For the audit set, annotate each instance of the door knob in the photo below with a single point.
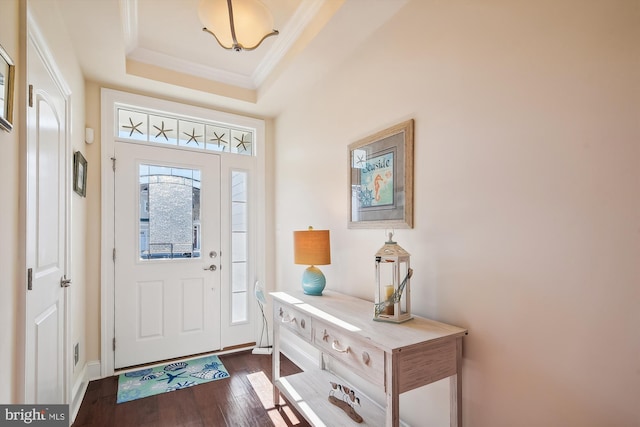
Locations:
(211, 268)
(64, 282)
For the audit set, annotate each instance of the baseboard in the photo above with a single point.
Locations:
(262, 350)
(94, 370)
(90, 371)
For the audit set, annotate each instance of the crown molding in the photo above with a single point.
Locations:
(129, 18)
(287, 37)
(152, 57)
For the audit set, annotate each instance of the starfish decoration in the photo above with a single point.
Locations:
(180, 386)
(133, 127)
(242, 142)
(162, 131)
(218, 139)
(365, 196)
(360, 161)
(193, 137)
(172, 377)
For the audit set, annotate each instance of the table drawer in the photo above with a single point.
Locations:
(293, 319)
(351, 351)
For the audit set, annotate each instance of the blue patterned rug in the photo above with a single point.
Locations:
(170, 377)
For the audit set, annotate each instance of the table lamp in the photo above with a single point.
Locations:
(311, 247)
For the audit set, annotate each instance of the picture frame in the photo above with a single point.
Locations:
(7, 78)
(79, 174)
(381, 179)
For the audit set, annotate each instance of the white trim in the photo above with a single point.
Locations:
(90, 372)
(152, 57)
(129, 18)
(77, 394)
(109, 99)
(93, 370)
(287, 37)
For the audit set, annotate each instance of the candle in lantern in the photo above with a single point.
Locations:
(388, 291)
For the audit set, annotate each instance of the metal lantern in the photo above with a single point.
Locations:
(393, 290)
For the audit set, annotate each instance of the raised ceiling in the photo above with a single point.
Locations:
(158, 46)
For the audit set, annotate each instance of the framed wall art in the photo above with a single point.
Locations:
(79, 174)
(381, 179)
(7, 77)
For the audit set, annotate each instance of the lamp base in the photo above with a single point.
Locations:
(313, 281)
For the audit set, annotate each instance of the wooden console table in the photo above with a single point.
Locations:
(394, 357)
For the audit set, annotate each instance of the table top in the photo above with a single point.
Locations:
(356, 316)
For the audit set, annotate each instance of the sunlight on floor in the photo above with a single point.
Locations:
(264, 389)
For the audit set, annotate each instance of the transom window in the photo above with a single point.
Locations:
(163, 128)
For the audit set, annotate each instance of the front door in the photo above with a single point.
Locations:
(46, 241)
(167, 256)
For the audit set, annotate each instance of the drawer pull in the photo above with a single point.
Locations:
(334, 345)
(302, 323)
(288, 319)
(366, 358)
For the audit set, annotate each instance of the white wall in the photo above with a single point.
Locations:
(527, 203)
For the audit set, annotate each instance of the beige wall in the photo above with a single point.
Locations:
(526, 207)
(527, 211)
(9, 256)
(92, 321)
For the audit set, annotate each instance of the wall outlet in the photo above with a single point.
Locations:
(76, 354)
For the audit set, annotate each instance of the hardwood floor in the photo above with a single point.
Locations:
(243, 399)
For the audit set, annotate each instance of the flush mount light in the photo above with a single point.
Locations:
(238, 25)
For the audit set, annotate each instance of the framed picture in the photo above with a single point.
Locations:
(7, 76)
(381, 179)
(79, 174)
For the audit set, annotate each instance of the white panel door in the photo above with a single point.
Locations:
(46, 236)
(167, 259)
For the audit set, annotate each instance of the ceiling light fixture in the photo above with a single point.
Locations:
(242, 25)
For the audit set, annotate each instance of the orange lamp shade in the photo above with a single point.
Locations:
(311, 247)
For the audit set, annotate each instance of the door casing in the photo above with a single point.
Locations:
(259, 218)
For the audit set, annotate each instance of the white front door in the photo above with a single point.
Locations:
(167, 257)
(46, 250)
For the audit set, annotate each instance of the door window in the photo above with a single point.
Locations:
(169, 225)
(239, 247)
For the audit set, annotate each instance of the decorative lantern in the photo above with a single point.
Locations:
(393, 291)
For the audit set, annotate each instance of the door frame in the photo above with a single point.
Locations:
(109, 99)
(34, 35)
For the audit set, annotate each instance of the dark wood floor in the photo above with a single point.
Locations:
(243, 399)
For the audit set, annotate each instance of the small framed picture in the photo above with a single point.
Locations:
(79, 174)
(7, 73)
(381, 179)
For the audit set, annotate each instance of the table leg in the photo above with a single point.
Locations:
(275, 359)
(392, 391)
(455, 387)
